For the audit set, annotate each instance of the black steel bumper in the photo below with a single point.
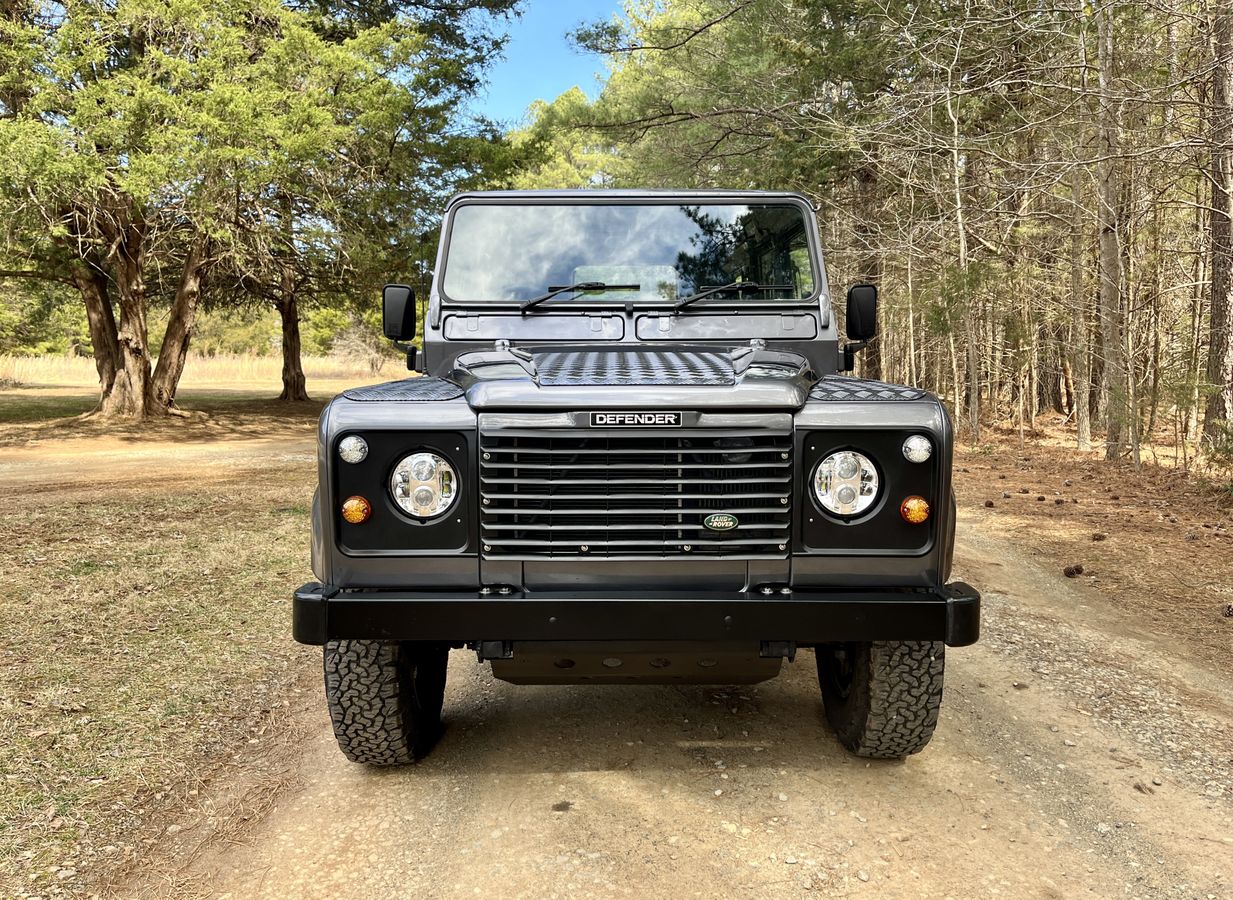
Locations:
(950, 614)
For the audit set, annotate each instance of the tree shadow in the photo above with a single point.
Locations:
(206, 416)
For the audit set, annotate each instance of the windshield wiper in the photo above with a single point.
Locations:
(736, 286)
(580, 287)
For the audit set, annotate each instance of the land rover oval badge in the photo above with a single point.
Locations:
(721, 522)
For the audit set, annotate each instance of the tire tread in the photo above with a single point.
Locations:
(895, 702)
(377, 716)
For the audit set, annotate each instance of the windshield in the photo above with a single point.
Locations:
(513, 253)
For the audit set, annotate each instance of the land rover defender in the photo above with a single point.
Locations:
(633, 456)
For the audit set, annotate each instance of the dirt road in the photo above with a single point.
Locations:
(1076, 756)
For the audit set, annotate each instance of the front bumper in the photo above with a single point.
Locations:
(951, 613)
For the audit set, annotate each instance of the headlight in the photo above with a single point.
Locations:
(917, 448)
(846, 483)
(424, 485)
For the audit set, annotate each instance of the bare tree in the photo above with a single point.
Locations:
(1220, 351)
(1111, 322)
(1040, 170)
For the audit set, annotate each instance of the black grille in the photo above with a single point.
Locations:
(567, 493)
(617, 367)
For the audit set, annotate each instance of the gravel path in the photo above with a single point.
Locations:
(1075, 755)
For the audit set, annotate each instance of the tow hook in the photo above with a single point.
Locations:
(778, 650)
(494, 650)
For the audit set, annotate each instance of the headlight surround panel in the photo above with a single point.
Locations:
(393, 530)
(876, 528)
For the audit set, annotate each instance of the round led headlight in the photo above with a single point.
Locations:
(917, 448)
(353, 449)
(846, 483)
(424, 485)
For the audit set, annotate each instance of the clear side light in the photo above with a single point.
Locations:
(353, 449)
(424, 485)
(917, 448)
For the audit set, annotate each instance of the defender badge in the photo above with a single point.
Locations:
(635, 419)
(720, 522)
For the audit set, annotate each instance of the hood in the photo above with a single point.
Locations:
(638, 377)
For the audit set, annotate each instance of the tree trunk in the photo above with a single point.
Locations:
(956, 390)
(869, 256)
(130, 395)
(1049, 371)
(1220, 352)
(1111, 326)
(294, 385)
(913, 378)
(1195, 343)
(1068, 388)
(92, 283)
(970, 318)
(1081, 349)
(1157, 326)
(180, 322)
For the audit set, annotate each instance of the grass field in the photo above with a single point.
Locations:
(147, 628)
(248, 369)
(147, 612)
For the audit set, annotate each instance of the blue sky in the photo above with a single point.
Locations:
(540, 62)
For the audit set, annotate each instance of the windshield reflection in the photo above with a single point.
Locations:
(511, 253)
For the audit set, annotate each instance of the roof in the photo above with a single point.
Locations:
(579, 194)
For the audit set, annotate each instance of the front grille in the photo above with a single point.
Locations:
(555, 492)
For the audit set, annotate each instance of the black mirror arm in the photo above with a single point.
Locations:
(848, 352)
(410, 350)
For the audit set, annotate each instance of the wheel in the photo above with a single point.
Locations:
(385, 698)
(882, 698)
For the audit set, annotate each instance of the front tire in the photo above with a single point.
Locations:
(385, 698)
(882, 698)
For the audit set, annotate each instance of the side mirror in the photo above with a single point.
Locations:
(862, 312)
(398, 312)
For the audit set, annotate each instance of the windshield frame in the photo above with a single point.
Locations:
(581, 304)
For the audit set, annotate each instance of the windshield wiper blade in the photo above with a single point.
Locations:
(738, 286)
(580, 287)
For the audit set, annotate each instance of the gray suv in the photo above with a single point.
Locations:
(632, 457)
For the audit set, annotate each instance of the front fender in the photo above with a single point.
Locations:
(319, 558)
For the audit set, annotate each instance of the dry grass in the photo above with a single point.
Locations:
(147, 626)
(246, 368)
(146, 616)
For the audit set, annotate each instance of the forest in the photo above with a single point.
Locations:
(1041, 192)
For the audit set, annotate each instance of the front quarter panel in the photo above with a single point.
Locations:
(417, 555)
(317, 552)
(877, 548)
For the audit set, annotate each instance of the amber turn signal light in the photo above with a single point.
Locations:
(914, 510)
(356, 510)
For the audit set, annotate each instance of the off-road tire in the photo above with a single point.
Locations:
(882, 698)
(385, 698)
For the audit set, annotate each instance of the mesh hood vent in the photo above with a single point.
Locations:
(644, 367)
